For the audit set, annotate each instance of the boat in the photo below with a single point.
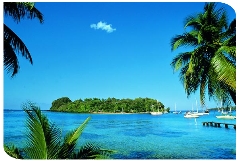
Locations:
(226, 117)
(197, 113)
(191, 116)
(224, 112)
(175, 110)
(156, 113)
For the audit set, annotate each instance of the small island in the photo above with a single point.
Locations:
(108, 106)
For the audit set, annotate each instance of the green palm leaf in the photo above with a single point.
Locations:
(68, 146)
(211, 66)
(42, 137)
(226, 71)
(13, 151)
(92, 151)
(12, 45)
(43, 140)
(21, 10)
(186, 39)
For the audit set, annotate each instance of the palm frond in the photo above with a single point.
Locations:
(228, 51)
(92, 151)
(13, 151)
(226, 71)
(194, 21)
(42, 137)
(230, 41)
(203, 85)
(232, 27)
(21, 10)
(223, 21)
(10, 59)
(182, 73)
(180, 60)
(10, 45)
(70, 140)
(185, 40)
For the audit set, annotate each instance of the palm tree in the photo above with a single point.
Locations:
(43, 140)
(13, 45)
(211, 66)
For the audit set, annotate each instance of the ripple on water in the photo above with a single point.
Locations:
(220, 153)
(134, 155)
(86, 135)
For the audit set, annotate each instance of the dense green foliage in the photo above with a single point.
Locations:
(56, 104)
(113, 105)
(44, 140)
(211, 65)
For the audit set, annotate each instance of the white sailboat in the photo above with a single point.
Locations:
(222, 109)
(175, 110)
(191, 116)
(197, 113)
(225, 116)
(156, 113)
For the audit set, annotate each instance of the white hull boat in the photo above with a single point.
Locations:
(226, 117)
(156, 113)
(198, 114)
(191, 116)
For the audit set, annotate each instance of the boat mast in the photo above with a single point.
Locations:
(175, 107)
(221, 105)
(197, 105)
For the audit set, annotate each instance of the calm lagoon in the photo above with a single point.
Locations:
(140, 136)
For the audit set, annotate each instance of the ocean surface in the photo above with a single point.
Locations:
(140, 136)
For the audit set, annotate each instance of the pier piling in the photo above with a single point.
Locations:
(218, 124)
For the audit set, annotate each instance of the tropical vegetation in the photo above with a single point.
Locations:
(112, 105)
(211, 65)
(13, 45)
(44, 141)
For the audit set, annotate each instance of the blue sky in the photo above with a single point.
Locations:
(72, 59)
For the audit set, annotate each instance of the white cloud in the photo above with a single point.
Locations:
(103, 26)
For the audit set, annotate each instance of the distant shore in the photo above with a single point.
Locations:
(119, 113)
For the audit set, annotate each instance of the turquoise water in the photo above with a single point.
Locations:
(140, 136)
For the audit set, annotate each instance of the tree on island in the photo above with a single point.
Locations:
(43, 140)
(13, 45)
(112, 105)
(211, 66)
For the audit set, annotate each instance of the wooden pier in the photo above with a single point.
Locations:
(218, 124)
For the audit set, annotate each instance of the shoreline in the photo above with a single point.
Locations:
(99, 112)
(118, 113)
